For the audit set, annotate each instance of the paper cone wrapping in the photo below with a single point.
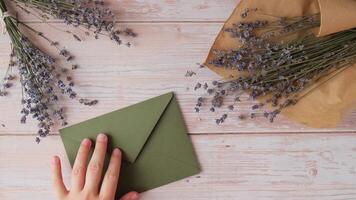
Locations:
(323, 106)
(337, 15)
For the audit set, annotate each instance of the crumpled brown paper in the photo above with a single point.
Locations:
(323, 106)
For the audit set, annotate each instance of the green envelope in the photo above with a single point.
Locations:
(153, 138)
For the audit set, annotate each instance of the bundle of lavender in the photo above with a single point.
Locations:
(275, 66)
(44, 82)
(90, 14)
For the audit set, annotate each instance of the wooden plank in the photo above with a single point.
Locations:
(121, 76)
(158, 11)
(263, 167)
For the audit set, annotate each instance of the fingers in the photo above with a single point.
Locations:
(96, 163)
(131, 196)
(79, 167)
(108, 189)
(57, 178)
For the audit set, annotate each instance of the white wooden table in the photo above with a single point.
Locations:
(240, 159)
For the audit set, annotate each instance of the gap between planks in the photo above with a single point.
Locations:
(139, 22)
(219, 134)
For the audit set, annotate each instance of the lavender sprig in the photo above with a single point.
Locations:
(90, 14)
(43, 81)
(282, 72)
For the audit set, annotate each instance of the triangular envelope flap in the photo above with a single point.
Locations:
(128, 128)
(168, 155)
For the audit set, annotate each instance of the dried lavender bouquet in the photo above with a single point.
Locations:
(278, 73)
(43, 81)
(90, 14)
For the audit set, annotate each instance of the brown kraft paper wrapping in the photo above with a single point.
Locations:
(323, 106)
(337, 15)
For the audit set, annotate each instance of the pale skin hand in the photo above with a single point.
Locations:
(85, 180)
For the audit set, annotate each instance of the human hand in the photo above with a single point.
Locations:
(85, 180)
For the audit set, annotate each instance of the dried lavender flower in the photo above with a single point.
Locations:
(242, 117)
(74, 67)
(279, 71)
(217, 101)
(205, 86)
(210, 91)
(92, 15)
(231, 107)
(39, 75)
(197, 86)
(190, 73)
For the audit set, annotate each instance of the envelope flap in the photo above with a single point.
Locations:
(128, 128)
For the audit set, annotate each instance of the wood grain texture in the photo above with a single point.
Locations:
(121, 76)
(294, 163)
(160, 11)
(262, 167)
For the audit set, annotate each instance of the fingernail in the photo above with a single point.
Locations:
(86, 142)
(102, 137)
(134, 196)
(116, 152)
(54, 160)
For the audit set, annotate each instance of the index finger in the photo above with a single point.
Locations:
(96, 163)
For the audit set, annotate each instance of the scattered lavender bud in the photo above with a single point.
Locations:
(200, 65)
(54, 43)
(77, 38)
(23, 120)
(217, 101)
(64, 53)
(244, 15)
(190, 73)
(64, 70)
(205, 86)
(200, 100)
(3, 93)
(231, 107)
(8, 85)
(74, 67)
(242, 117)
(129, 32)
(81, 101)
(224, 116)
(10, 77)
(69, 58)
(255, 107)
(210, 91)
(266, 114)
(197, 86)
